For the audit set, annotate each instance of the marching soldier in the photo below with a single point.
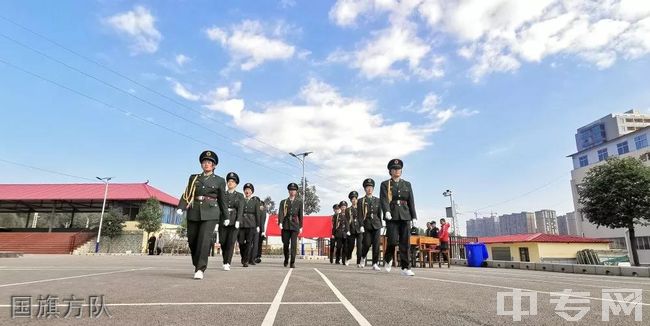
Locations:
(205, 202)
(290, 222)
(341, 233)
(371, 215)
(356, 228)
(335, 208)
(231, 223)
(261, 235)
(398, 204)
(249, 226)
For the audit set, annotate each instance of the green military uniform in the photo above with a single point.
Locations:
(356, 236)
(228, 233)
(396, 198)
(371, 215)
(341, 230)
(290, 218)
(256, 253)
(333, 238)
(204, 201)
(249, 224)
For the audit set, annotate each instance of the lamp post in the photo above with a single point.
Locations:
(301, 157)
(101, 217)
(449, 194)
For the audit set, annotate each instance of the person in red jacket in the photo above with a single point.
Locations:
(443, 235)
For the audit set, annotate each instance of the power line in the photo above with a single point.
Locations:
(46, 170)
(521, 195)
(126, 77)
(133, 95)
(134, 116)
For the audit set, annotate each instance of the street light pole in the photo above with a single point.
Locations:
(449, 194)
(101, 217)
(301, 157)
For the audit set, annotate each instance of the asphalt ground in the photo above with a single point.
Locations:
(159, 290)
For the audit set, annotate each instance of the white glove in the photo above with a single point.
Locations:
(388, 216)
(280, 226)
(362, 230)
(237, 225)
(179, 211)
(263, 234)
(413, 220)
(216, 228)
(258, 229)
(226, 222)
(348, 233)
(300, 231)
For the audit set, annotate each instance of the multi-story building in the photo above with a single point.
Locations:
(517, 223)
(562, 227)
(482, 227)
(546, 221)
(624, 135)
(610, 127)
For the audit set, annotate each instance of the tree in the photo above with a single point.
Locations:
(312, 202)
(150, 216)
(617, 195)
(112, 225)
(269, 204)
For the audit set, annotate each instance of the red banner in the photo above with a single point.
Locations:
(312, 227)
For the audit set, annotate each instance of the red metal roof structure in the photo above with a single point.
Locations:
(84, 196)
(540, 237)
(313, 227)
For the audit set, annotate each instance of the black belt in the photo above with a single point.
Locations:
(400, 202)
(202, 198)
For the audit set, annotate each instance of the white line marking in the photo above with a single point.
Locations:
(522, 289)
(311, 303)
(269, 319)
(353, 311)
(71, 277)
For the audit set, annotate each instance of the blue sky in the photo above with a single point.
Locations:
(487, 109)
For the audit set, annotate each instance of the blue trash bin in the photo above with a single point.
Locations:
(476, 254)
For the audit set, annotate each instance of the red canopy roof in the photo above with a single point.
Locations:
(83, 191)
(540, 237)
(313, 226)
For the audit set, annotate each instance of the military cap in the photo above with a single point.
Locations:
(209, 155)
(353, 194)
(249, 186)
(232, 176)
(335, 206)
(343, 203)
(395, 164)
(368, 182)
(292, 186)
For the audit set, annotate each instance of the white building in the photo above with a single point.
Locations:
(623, 135)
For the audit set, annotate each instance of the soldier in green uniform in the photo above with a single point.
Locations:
(356, 228)
(371, 215)
(290, 222)
(398, 204)
(335, 216)
(205, 203)
(249, 226)
(341, 233)
(231, 223)
(261, 235)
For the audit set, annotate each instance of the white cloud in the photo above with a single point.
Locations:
(139, 25)
(250, 44)
(501, 35)
(350, 139)
(183, 92)
(182, 59)
(395, 52)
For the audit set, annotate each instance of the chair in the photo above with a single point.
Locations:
(428, 248)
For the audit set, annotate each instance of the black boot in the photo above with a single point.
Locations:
(293, 265)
